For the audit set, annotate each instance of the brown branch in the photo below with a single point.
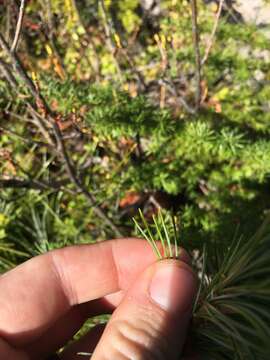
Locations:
(19, 183)
(8, 20)
(52, 39)
(14, 86)
(96, 65)
(196, 44)
(23, 139)
(109, 38)
(212, 37)
(168, 82)
(77, 182)
(8, 75)
(109, 32)
(18, 27)
(61, 149)
(173, 91)
(20, 70)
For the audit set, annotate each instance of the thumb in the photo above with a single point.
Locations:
(152, 319)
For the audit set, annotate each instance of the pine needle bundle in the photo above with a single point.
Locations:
(231, 317)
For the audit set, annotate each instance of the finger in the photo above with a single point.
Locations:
(152, 320)
(37, 293)
(68, 325)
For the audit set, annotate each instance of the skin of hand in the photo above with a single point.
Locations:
(46, 300)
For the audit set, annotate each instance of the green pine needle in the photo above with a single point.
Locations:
(169, 247)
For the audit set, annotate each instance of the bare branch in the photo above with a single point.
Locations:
(196, 44)
(95, 65)
(8, 15)
(168, 82)
(8, 75)
(212, 37)
(39, 122)
(109, 38)
(19, 69)
(19, 183)
(18, 27)
(180, 99)
(61, 149)
(23, 139)
(109, 32)
(77, 182)
(50, 36)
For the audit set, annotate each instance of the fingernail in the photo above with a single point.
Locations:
(173, 288)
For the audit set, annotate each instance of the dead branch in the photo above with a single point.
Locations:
(196, 44)
(212, 37)
(167, 82)
(96, 65)
(109, 38)
(51, 37)
(18, 183)
(8, 75)
(18, 27)
(180, 99)
(61, 151)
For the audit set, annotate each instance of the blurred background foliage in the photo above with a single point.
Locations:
(121, 80)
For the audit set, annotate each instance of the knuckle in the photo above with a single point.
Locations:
(142, 340)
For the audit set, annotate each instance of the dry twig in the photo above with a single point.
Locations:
(196, 44)
(212, 37)
(167, 82)
(18, 27)
(109, 38)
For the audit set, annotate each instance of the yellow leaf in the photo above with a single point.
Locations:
(48, 49)
(118, 41)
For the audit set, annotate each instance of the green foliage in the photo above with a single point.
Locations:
(231, 318)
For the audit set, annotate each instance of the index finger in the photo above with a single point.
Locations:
(35, 294)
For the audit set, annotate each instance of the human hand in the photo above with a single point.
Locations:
(46, 300)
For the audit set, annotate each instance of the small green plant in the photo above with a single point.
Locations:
(231, 312)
